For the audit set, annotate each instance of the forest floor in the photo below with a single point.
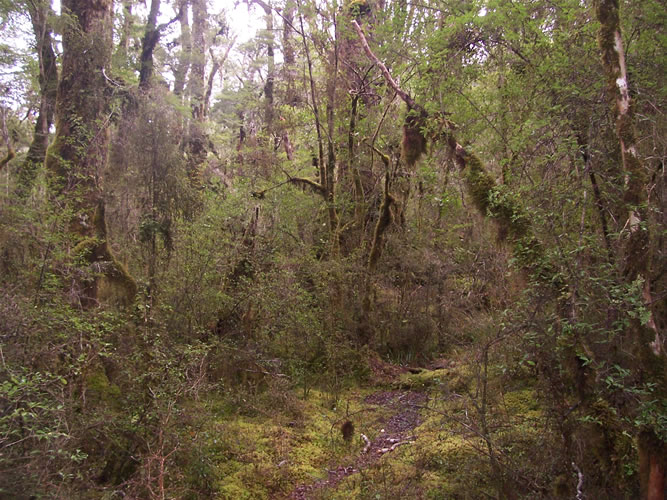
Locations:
(416, 435)
(394, 426)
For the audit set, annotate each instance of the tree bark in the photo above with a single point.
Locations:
(125, 32)
(289, 54)
(149, 42)
(329, 184)
(316, 112)
(78, 155)
(354, 166)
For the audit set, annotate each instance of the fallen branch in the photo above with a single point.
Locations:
(382, 451)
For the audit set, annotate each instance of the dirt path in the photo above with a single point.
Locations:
(392, 429)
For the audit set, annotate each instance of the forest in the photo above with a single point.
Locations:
(333, 249)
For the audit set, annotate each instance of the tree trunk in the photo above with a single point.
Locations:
(148, 44)
(125, 35)
(645, 339)
(316, 113)
(196, 147)
(354, 165)
(270, 76)
(329, 184)
(183, 64)
(289, 54)
(48, 88)
(78, 155)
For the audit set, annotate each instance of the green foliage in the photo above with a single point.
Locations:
(250, 340)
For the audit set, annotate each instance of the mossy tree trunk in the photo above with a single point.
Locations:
(645, 338)
(151, 38)
(48, 88)
(353, 165)
(78, 155)
(123, 47)
(289, 54)
(148, 44)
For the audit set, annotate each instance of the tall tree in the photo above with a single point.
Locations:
(78, 155)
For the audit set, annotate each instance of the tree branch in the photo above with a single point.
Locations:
(387, 76)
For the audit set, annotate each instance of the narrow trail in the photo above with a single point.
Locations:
(391, 429)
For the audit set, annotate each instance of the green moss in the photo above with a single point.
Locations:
(479, 183)
(234, 491)
(358, 8)
(265, 456)
(99, 388)
(85, 248)
(522, 402)
(447, 380)
(424, 380)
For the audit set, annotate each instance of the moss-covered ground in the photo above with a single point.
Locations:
(276, 444)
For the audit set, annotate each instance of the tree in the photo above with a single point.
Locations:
(77, 158)
(644, 336)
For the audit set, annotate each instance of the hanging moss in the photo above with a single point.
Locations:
(609, 19)
(479, 183)
(513, 221)
(413, 144)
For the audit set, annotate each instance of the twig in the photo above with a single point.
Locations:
(368, 444)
